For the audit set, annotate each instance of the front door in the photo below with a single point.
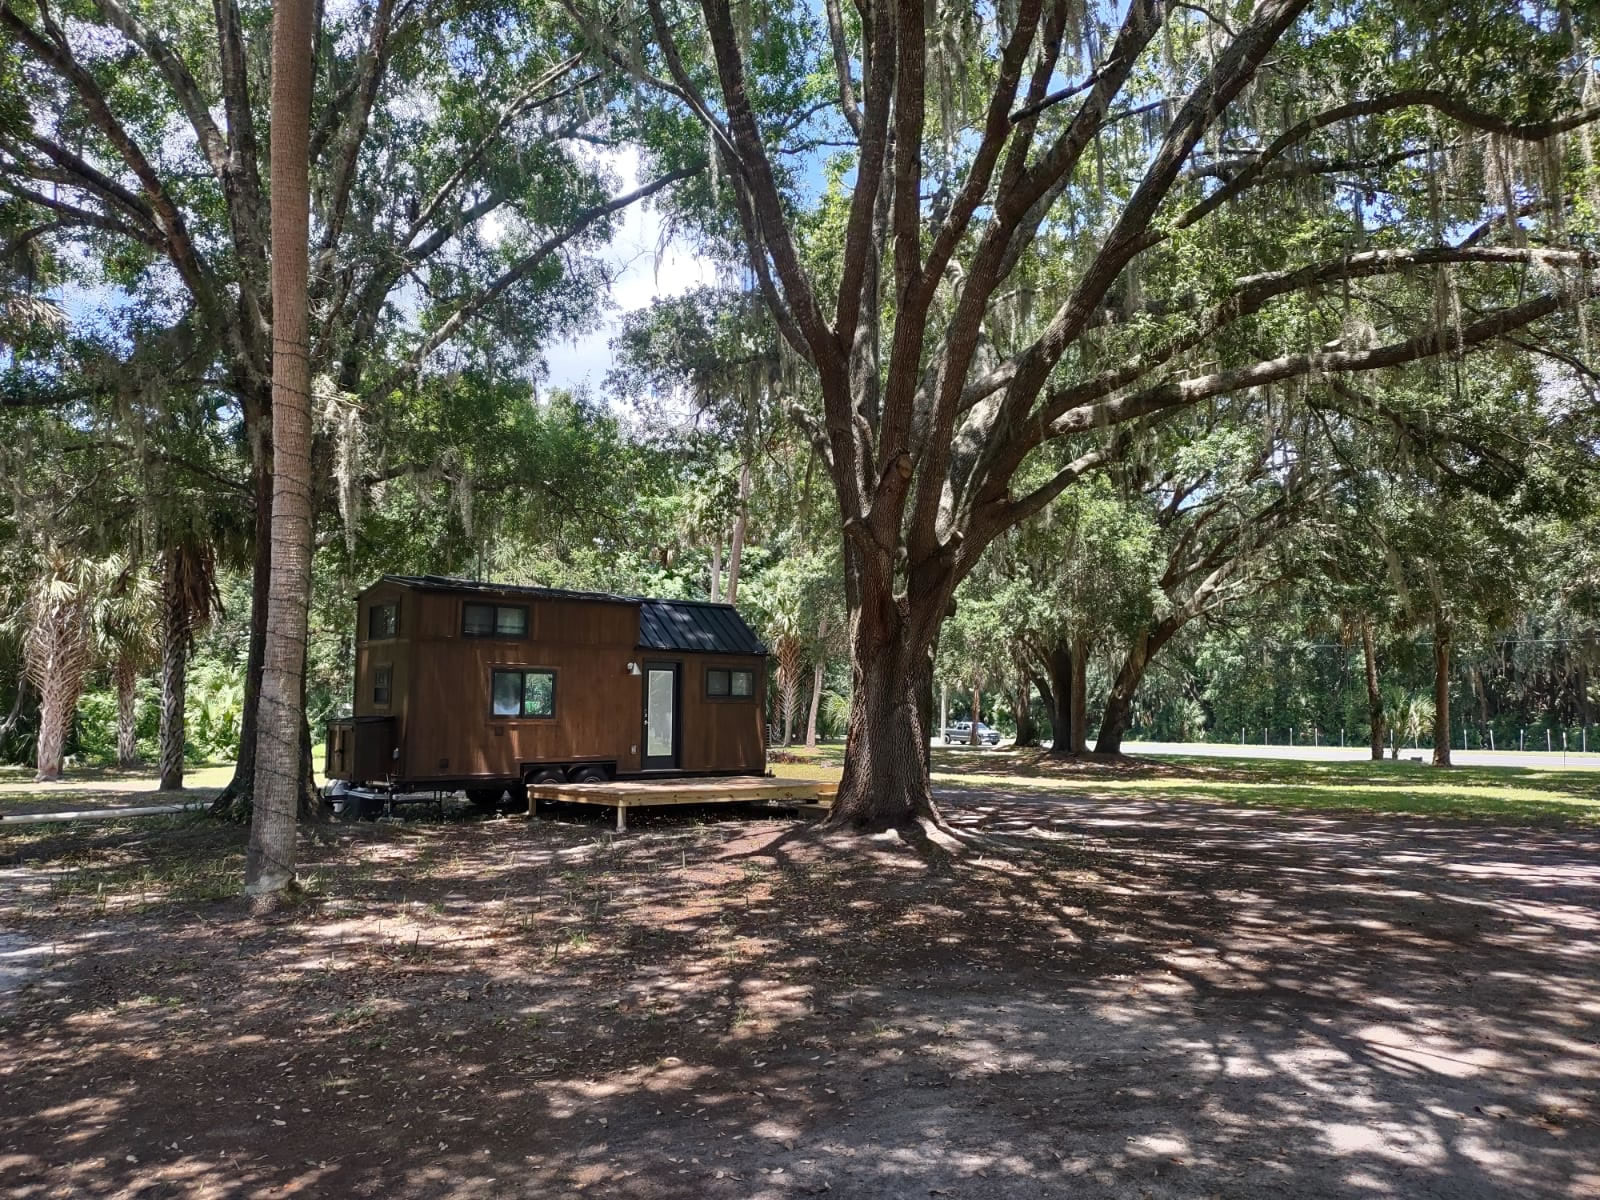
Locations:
(660, 716)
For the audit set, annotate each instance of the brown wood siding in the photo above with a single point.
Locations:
(723, 733)
(395, 653)
(596, 706)
(440, 689)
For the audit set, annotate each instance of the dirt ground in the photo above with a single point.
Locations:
(1134, 998)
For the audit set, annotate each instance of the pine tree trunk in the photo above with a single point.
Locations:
(817, 674)
(127, 680)
(1374, 698)
(885, 781)
(269, 863)
(1079, 723)
(175, 635)
(1441, 694)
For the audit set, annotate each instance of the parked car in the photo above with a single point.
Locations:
(959, 733)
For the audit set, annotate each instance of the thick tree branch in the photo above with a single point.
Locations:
(520, 270)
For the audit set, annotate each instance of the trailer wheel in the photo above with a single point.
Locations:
(488, 799)
(362, 808)
(589, 775)
(544, 775)
(517, 798)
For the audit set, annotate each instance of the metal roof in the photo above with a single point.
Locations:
(697, 626)
(694, 625)
(446, 583)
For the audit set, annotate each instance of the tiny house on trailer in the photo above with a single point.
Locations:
(487, 687)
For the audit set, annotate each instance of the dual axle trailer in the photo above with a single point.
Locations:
(493, 688)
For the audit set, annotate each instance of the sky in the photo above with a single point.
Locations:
(645, 271)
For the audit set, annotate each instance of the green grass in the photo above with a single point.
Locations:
(1521, 794)
(1518, 794)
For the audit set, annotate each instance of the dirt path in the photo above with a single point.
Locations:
(1163, 1001)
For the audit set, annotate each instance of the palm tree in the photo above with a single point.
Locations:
(125, 635)
(189, 599)
(23, 312)
(269, 865)
(57, 627)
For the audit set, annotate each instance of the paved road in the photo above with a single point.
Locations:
(1464, 758)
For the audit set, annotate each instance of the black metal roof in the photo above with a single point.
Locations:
(694, 625)
(686, 625)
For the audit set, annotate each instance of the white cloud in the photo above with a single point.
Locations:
(643, 266)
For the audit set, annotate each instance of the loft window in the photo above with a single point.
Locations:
(494, 620)
(383, 621)
(722, 683)
(382, 684)
(523, 693)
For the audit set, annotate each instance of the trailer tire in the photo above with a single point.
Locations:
(517, 798)
(487, 799)
(362, 808)
(538, 776)
(589, 775)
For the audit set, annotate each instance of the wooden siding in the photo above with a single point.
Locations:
(723, 733)
(440, 689)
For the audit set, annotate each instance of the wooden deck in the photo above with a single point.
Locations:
(623, 794)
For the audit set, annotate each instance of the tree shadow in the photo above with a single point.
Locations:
(1156, 999)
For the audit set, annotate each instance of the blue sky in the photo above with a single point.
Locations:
(643, 269)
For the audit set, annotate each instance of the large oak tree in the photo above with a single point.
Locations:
(1052, 221)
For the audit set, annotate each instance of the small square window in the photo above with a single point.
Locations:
(743, 683)
(383, 621)
(510, 621)
(716, 682)
(382, 684)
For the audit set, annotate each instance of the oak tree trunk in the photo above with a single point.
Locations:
(1374, 698)
(234, 801)
(972, 734)
(1119, 704)
(269, 863)
(1079, 723)
(175, 635)
(1441, 694)
(126, 675)
(885, 781)
(1022, 705)
(1057, 693)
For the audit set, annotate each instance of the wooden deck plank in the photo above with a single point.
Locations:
(636, 793)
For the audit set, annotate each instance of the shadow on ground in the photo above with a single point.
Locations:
(1128, 997)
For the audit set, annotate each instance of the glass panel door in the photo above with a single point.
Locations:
(660, 716)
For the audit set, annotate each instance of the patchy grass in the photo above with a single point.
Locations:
(92, 788)
(1499, 793)
(1134, 995)
(128, 865)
